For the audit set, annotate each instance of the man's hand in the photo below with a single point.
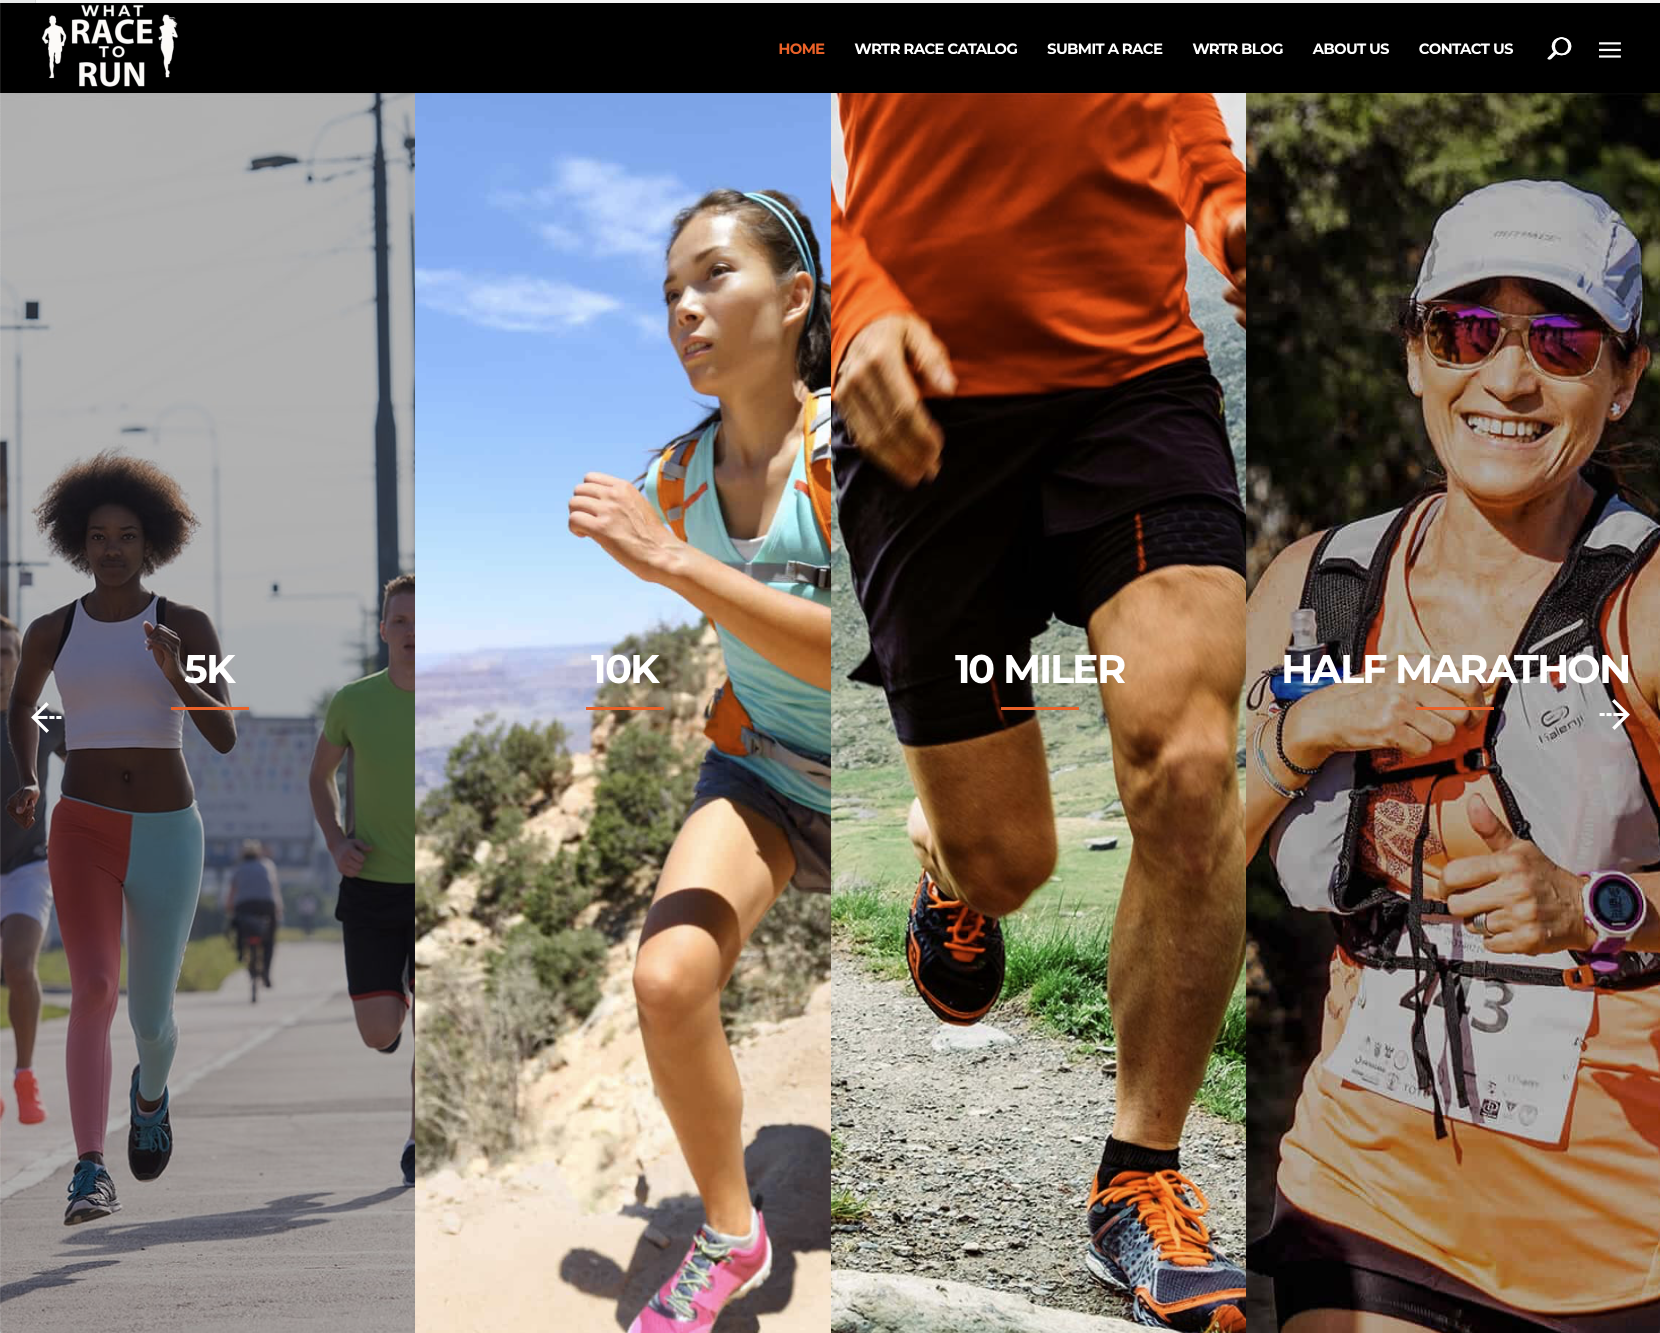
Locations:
(349, 856)
(891, 365)
(21, 804)
(1234, 245)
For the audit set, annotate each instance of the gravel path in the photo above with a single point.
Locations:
(976, 1165)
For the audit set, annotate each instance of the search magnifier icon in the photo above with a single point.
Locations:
(1559, 46)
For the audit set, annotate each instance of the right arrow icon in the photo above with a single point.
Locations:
(1622, 715)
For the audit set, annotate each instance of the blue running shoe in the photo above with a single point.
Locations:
(149, 1137)
(1148, 1240)
(91, 1194)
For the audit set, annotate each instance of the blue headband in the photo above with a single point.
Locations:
(784, 215)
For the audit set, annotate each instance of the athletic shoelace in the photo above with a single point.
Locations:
(1174, 1223)
(85, 1180)
(967, 926)
(695, 1275)
(154, 1138)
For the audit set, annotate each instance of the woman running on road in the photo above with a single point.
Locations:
(125, 833)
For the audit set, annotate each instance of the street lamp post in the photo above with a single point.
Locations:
(386, 438)
(26, 318)
(154, 430)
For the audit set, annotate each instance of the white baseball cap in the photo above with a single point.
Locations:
(1544, 230)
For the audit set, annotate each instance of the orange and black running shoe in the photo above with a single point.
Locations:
(955, 955)
(1148, 1240)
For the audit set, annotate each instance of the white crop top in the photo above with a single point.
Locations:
(114, 696)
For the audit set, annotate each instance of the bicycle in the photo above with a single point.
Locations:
(256, 964)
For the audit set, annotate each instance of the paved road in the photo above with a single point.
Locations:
(283, 1207)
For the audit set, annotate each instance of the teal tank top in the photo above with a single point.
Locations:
(787, 709)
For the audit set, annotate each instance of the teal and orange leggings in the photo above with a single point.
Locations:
(101, 860)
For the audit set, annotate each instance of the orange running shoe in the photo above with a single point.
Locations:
(1148, 1240)
(955, 955)
(29, 1109)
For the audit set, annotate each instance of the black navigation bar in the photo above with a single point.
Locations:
(224, 47)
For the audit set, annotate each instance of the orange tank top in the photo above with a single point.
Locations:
(1557, 1229)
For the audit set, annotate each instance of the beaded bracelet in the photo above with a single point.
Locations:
(1279, 744)
(1267, 773)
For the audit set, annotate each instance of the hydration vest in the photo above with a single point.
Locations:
(1537, 772)
(727, 723)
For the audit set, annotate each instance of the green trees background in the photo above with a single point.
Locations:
(1344, 190)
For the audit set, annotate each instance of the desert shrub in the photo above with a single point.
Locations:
(675, 668)
(467, 1093)
(786, 957)
(492, 775)
(639, 805)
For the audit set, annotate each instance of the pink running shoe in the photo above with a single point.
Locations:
(710, 1275)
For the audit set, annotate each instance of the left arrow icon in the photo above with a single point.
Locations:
(40, 712)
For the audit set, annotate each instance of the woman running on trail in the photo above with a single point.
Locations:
(749, 318)
(1477, 1145)
(125, 833)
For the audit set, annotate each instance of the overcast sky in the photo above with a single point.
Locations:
(178, 287)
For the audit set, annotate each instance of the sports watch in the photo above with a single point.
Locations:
(1615, 908)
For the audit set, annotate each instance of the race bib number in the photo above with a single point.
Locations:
(1522, 1043)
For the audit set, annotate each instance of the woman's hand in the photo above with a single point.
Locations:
(1532, 905)
(164, 647)
(624, 523)
(21, 805)
(1412, 717)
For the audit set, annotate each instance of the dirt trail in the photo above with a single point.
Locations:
(513, 1246)
(976, 1165)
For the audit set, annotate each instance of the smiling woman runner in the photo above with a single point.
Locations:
(735, 518)
(125, 831)
(1475, 1148)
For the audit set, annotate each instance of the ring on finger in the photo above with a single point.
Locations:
(1478, 923)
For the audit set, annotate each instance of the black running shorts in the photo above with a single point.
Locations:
(1318, 1265)
(1045, 505)
(378, 923)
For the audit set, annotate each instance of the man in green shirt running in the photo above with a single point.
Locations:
(375, 719)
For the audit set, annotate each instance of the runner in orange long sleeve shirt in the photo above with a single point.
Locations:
(1027, 426)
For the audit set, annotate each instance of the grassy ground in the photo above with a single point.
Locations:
(206, 965)
(1057, 947)
(46, 1010)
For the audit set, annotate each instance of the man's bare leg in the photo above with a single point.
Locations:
(982, 824)
(1179, 939)
(20, 937)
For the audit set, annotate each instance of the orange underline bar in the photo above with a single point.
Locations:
(1040, 708)
(210, 708)
(627, 708)
(1453, 708)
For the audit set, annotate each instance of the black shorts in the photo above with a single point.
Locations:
(1045, 505)
(1318, 1265)
(378, 923)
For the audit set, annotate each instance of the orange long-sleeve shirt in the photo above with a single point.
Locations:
(1041, 235)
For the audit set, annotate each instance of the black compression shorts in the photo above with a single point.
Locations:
(1045, 504)
(1318, 1265)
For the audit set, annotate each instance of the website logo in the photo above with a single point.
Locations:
(110, 46)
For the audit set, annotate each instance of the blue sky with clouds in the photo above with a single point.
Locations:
(541, 345)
